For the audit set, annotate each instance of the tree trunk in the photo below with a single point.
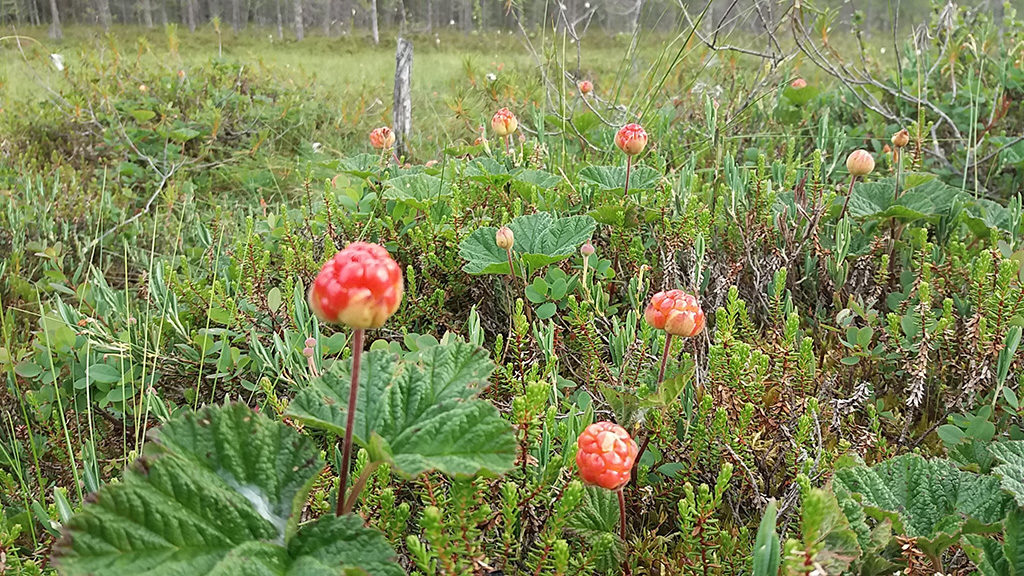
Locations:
(373, 21)
(236, 15)
(401, 109)
(190, 15)
(147, 13)
(328, 5)
(634, 17)
(430, 16)
(299, 32)
(280, 21)
(103, 12)
(56, 32)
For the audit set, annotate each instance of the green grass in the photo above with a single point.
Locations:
(348, 68)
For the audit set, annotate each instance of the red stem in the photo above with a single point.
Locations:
(629, 164)
(346, 446)
(853, 178)
(622, 514)
(511, 268)
(507, 149)
(622, 531)
(664, 357)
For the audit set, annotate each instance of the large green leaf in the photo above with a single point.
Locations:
(1011, 471)
(540, 239)
(417, 190)
(987, 554)
(1013, 541)
(360, 165)
(536, 178)
(930, 500)
(598, 514)
(419, 413)
(826, 536)
(487, 170)
(925, 198)
(218, 492)
(614, 177)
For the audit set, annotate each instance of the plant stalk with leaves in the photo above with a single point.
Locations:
(361, 287)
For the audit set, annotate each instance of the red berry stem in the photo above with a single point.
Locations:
(664, 357)
(346, 447)
(507, 149)
(629, 165)
(511, 268)
(622, 530)
(622, 513)
(849, 193)
(358, 485)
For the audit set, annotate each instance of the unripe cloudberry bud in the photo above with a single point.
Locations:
(504, 122)
(605, 455)
(860, 163)
(504, 238)
(361, 287)
(382, 138)
(901, 138)
(675, 312)
(587, 249)
(586, 87)
(798, 83)
(631, 139)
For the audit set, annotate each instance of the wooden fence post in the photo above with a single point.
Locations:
(402, 108)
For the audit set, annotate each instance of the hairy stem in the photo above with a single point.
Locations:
(853, 179)
(358, 485)
(622, 530)
(346, 446)
(629, 166)
(511, 268)
(664, 357)
(622, 513)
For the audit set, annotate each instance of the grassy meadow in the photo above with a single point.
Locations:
(772, 330)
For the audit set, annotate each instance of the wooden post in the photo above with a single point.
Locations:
(402, 108)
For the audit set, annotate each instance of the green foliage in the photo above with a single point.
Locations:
(830, 342)
(218, 492)
(767, 548)
(540, 239)
(418, 413)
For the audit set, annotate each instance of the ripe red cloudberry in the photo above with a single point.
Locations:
(361, 287)
(675, 312)
(605, 455)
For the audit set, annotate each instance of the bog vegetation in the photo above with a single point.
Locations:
(649, 303)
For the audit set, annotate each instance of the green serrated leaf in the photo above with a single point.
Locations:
(598, 514)
(540, 239)
(419, 413)
(614, 177)
(218, 492)
(930, 500)
(1011, 470)
(417, 190)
